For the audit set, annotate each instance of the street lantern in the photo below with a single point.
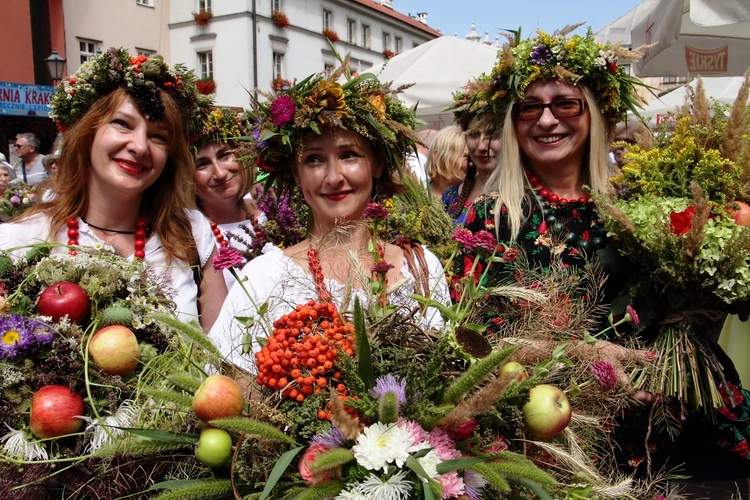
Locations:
(55, 65)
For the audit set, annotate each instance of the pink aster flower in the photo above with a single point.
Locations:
(453, 485)
(228, 257)
(464, 237)
(443, 445)
(484, 240)
(418, 434)
(282, 110)
(604, 373)
(633, 315)
(375, 211)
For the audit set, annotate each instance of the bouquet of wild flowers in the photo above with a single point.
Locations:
(16, 199)
(679, 218)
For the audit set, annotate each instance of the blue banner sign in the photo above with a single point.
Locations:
(22, 99)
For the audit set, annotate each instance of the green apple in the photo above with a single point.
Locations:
(547, 413)
(515, 370)
(214, 447)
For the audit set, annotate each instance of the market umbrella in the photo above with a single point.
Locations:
(720, 88)
(706, 37)
(437, 69)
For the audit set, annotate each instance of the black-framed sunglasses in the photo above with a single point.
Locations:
(563, 108)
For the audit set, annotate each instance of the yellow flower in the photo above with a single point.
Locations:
(378, 102)
(11, 337)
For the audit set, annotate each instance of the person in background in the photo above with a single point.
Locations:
(222, 182)
(626, 133)
(126, 176)
(5, 177)
(417, 161)
(483, 143)
(447, 160)
(29, 167)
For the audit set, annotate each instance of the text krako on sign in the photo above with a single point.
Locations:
(24, 99)
(707, 61)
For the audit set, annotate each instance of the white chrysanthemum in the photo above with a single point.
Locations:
(105, 429)
(429, 463)
(383, 444)
(350, 495)
(395, 487)
(20, 444)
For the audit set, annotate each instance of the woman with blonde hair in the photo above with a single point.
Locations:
(447, 159)
(126, 178)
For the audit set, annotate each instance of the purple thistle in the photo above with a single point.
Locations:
(332, 438)
(484, 240)
(375, 211)
(540, 55)
(228, 257)
(633, 315)
(282, 110)
(389, 383)
(474, 483)
(604, 373)
(464, 237)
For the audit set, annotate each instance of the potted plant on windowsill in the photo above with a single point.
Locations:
(279, 19)
(279, 83)
(331, 35)
(206, 86)
(202, 17)
(387, 53)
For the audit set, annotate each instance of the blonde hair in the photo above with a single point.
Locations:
(163, 203)
(508, 183)
(446, 154)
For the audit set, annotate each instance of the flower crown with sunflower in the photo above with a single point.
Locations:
(220, 125)
(361, 104)
(576, 59)
(142, 77)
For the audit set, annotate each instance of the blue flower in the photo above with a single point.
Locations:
(389, 383)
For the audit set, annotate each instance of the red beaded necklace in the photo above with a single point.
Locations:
(317, 271)
(217, 234)
(548, 195)
(140, 233)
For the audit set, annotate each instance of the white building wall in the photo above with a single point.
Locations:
(115, 23)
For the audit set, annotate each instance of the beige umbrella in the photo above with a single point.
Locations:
(694, 37)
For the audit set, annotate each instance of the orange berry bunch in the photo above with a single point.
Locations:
(299, 358)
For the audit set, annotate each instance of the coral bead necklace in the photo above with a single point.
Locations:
(141, 231)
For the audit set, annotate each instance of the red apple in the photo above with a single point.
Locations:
(214, 447)
(115, 350)
(64, 299)
(515, 370)
(54, 411)
(218, 397)
(740, 212)
(547, 413)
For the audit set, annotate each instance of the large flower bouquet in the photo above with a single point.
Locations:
(680, 220)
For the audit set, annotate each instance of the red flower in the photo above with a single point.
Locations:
(741, 450)
(681, 222)
(282, 110)
(308, 459)
(612, 66)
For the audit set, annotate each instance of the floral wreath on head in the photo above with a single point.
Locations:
(142, 77)
(361, 104)
(576, 59)
(220, 125)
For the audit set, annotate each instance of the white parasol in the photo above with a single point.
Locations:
(706, 37)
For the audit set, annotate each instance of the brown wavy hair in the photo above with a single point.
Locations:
(163, 203)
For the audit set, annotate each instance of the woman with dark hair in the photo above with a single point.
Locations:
(222, 182)
(126, 178)
(344, 146)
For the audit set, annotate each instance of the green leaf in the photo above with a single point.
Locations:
(417, 468)
(278, 470)
(190, 333)
(459, 463)
(163, 436)
(364, 356)
(476, 374)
